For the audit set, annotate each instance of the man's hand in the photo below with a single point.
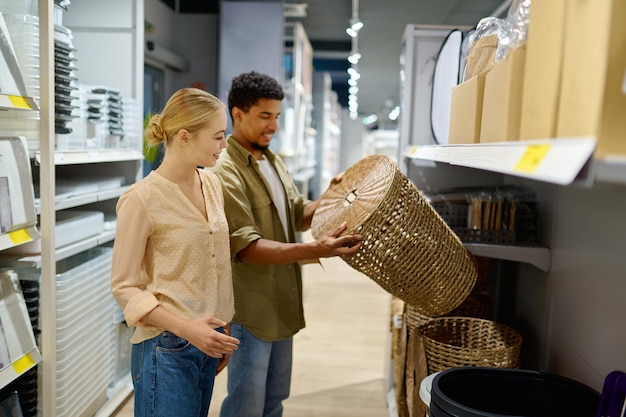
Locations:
(334, 244)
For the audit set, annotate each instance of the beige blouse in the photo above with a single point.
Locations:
(165, 253)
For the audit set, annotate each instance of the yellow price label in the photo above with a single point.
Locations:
(23, 364)
(412, 151)
(20, 236)
(19, 102)
(531, 159)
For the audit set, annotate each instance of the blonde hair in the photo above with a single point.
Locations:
(187, 108)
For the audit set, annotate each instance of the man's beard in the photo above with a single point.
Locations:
(258, 147)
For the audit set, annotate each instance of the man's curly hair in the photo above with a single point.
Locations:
(248, 88)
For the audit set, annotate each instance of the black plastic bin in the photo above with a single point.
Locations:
(497, 392)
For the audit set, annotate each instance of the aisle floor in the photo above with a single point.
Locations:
(340, 358)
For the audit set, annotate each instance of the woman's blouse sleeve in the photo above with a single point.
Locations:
(128, 281)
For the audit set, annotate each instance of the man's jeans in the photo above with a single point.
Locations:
(259, 376)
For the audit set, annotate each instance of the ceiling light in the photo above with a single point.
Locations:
(354, 58)
(355, 26)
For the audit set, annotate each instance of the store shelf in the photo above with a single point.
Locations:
(557, 161)
(87, 198)
(538, 256)
(18, 367)
(18, 237)
(93, 156)
(8, 101)
(117, 397)
(610, 169)
(34, 261)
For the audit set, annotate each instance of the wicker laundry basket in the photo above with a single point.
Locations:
(453, 342)
(407, 247)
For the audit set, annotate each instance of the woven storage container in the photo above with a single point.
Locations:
(452, 342)
(407, 247)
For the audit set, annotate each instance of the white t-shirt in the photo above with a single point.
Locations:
(277, 190)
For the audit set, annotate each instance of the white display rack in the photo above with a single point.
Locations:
(557, 161)
(18, 367)
(91, 156)
(19, 351)
(538, 256)
(18, 237)
(63, 252)
(8, 101)
(82, 199)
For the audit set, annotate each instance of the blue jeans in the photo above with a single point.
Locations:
(259, 376)
(171, 377)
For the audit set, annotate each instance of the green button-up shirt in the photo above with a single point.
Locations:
(268, 298)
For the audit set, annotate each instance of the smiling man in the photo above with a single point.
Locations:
(265, 210)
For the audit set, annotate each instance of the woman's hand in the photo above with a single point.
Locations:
(201, 333)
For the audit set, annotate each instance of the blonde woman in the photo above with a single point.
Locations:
(171, 271)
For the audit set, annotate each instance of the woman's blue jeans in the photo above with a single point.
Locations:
(259, 376)
(171, 377)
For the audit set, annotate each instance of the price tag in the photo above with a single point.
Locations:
(531, 159)
(19, 102)
(413, 151)
(23, 364)
(20, 236)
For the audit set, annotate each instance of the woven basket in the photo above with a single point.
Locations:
(452, 342)
(407, 248)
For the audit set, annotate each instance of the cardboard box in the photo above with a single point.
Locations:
(542, 72)
(592, 102)
(502, 100)
(466, 110)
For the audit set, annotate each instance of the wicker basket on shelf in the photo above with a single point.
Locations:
(452, 342)
(407, 248)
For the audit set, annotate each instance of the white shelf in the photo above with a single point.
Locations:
(610, 169)
(120, 394)
(34, 261)
(18, 367)
(8, 101)
(538, 256)
(18, 237)
(93, 156)
(557, 161)
(87, 198)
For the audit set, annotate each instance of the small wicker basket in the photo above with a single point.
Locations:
(452, 342)
(407, 248)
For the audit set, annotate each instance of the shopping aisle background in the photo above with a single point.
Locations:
(340, 357)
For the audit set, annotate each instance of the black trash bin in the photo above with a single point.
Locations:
(497, 392)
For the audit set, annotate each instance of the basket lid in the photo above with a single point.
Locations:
(362, 188)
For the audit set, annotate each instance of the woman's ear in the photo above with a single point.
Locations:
(183, 136)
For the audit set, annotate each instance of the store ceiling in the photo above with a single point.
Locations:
(378, 42)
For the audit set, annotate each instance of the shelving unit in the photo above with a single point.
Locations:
(18, 367)
(557, 161)
(103, 34)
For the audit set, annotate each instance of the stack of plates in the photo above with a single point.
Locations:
(65, 81)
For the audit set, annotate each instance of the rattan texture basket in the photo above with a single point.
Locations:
(407, 248)
(451, 342)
